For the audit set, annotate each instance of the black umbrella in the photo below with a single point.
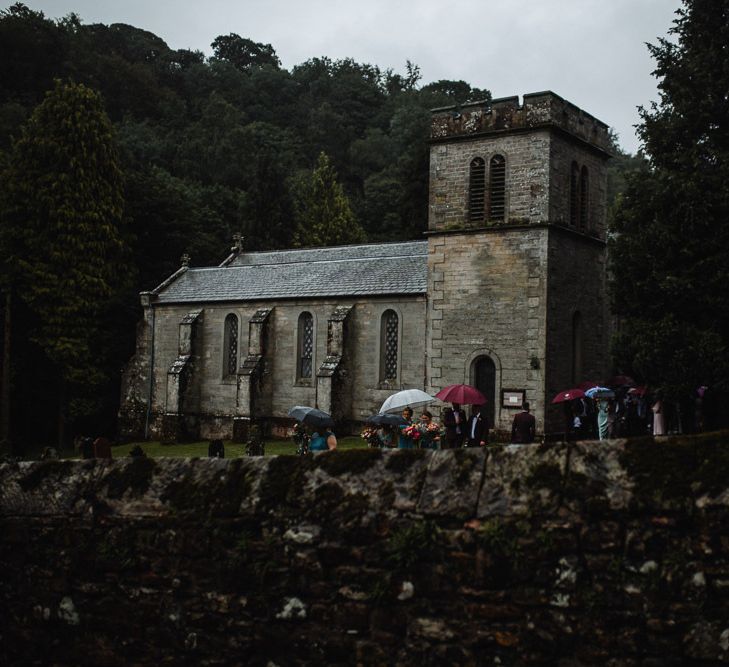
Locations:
(311, 416)
(387, 419)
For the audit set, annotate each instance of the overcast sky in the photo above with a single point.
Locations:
(591, 52)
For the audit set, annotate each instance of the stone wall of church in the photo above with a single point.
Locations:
(576, 283)
(527, 177)
(488, 297)
(211, 396)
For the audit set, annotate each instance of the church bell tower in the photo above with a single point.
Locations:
(517, 252)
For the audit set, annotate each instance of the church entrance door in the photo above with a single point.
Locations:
(483, 377)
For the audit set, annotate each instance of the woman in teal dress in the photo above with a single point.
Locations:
(404, 442)
(322, 442)
(429, 432)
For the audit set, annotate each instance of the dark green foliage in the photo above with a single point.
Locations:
(670, 233)
(324, 215)
(413, 544)
(62, 238)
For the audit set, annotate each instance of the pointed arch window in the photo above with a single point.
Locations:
(497, 187)
(476, 189)
(574, 194)
(584, 199)
(230, 345)
(389, 346)
(305, 347)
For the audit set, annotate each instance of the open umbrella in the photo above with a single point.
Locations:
(412, 398)
(386, 419)
(463, 394)
(311, 416)
(600, 392)
(569, 395)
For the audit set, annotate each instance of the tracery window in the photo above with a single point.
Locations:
(305, 360)
(389, 333)
(230, 345)
(476, 189)
(497, 187)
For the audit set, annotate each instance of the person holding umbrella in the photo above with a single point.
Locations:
(454, 420)
(322, 442)
(405, 441)
(322, 439)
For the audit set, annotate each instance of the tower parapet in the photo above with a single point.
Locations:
(504, 115)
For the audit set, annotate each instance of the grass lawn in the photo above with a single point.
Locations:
(232, 449)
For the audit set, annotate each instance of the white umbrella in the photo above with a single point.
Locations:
(412, 398)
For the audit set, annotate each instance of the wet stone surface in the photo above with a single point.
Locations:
(608, 553)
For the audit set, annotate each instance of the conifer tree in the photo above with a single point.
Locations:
(61, 240)
(670, 228)
(325, 217)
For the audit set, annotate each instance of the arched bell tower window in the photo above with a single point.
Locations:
(497, 187)
(574, 194)
(476, 189)
(305, 347)
(584, 199)
(389, 334)
(230, 345)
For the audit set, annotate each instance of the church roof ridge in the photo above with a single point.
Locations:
(324, 277)
(332, 253)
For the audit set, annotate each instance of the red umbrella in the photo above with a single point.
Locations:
(568, 395)
(589, 384)
(463, 394)
(638, 391)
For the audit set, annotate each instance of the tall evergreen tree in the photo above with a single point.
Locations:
(325, 217)
(671, 277)
(61, 239)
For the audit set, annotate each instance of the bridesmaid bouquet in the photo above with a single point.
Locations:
(301, 439)
(370, 436)
(412, 432)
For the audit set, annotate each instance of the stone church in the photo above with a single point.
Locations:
(507, 292)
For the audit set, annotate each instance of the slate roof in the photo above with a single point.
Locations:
(361, 270)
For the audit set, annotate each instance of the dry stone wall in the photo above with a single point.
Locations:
(584, 554)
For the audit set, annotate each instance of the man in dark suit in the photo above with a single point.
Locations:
(478, 428)
(522, 430)
(454, 420)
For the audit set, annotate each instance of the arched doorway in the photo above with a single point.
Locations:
(483, 377)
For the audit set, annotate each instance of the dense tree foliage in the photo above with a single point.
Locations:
(671, 277)
(325, 216)
(61, 239)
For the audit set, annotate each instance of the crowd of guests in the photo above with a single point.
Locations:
(634, 411)
(456, 431)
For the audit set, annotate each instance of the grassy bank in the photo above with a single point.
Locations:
(232, 449)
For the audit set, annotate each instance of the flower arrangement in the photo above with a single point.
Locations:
(371, 437)
(412, 432)
(433, 428)
(301, 439)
